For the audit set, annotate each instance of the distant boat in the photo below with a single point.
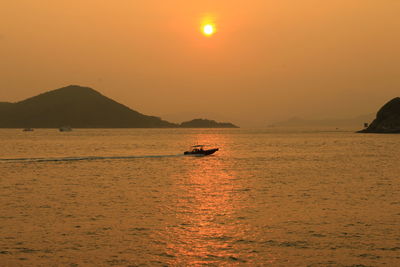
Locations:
(65, 129)
(28, 130)
(199, 150)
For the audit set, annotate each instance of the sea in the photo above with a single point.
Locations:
(268, 197)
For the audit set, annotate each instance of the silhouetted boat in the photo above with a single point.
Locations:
(28, 130)
(65, 129)
(199, 150)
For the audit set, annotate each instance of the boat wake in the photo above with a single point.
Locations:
(85, 158)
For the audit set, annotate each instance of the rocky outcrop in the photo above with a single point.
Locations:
(387, 119)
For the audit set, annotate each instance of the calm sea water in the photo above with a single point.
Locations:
(267, 198)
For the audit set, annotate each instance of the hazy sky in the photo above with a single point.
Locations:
(269, 60)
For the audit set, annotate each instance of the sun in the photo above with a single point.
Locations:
(208, 29)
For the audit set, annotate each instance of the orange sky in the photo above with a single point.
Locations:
(269, 60)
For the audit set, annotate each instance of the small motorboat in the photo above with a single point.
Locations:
(27, 130)
(65, 129)
(199, 150)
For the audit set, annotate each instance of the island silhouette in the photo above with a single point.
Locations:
(387, 119)
(84, 107)
(204, 123)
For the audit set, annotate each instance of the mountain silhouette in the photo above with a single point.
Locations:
(75, 106)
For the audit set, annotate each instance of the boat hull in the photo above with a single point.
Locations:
(204, 152)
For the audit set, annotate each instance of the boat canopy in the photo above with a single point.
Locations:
(199, 146)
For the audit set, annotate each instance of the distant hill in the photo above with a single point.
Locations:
(387, 119)
(352, 122)
(76, 106)
(196, 113)
(4, 106)
(83, 107)
(204, 123)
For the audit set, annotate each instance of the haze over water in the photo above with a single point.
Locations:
(268, 60)
(269, 197)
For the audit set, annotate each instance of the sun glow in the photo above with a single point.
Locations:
(208, 29)
(208, 25)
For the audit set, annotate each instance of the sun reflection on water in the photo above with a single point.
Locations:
(207, 212)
